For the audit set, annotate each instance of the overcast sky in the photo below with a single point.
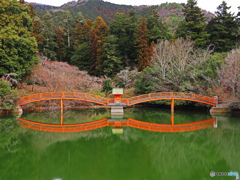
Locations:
(209, 5)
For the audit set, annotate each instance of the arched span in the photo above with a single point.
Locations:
(63, 95)
(172, 95)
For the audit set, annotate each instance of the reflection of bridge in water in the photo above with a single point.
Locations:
(118, 124)
(117, 104)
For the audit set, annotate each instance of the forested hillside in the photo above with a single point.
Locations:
(170, 13)
(93, 8)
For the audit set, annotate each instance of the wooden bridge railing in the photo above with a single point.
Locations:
(166, 95)
(177, 95)
(64, 95)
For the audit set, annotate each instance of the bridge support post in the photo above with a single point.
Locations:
(61, 111)
(172, 111)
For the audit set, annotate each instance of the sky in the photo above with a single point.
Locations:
(209, 5)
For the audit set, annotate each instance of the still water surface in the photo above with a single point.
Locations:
(27, 154)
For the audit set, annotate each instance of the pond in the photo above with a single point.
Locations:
(136, 154)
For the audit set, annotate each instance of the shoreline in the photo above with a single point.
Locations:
(221, 109)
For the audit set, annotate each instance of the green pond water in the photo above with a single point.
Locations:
(136, 154)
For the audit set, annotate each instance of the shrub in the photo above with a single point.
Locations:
(8, 97)
(107, 86)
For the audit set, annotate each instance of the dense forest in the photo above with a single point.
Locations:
(171, 47)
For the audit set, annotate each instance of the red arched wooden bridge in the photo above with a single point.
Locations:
(117, 124)
(124, 101)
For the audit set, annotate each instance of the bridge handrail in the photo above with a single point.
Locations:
(172, 94)
(62, 94)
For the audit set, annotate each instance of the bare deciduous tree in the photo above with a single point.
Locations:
(229, 73)
(174, 61)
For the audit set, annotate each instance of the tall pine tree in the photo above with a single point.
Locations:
(194, 25)
(124, 28)
(224, 29)
(158, 30)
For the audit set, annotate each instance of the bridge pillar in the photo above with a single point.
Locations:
(61, 111)
(172, 111)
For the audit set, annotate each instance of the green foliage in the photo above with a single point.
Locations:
(224, 29)
(107, 86)
(111, 58)
(82, 57)
(4, 88)
(17, 47)
(158, 30)
(49, 46)
(8, 97)
(213, 62)
(143, 85)
(124, 28)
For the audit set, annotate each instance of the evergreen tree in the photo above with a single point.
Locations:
(194, 25)
(158, 30)
(17, 47)
(49, 46)
(82, 57)
(144, 50)
(124, 28)
(111, 59)
(224, 29)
